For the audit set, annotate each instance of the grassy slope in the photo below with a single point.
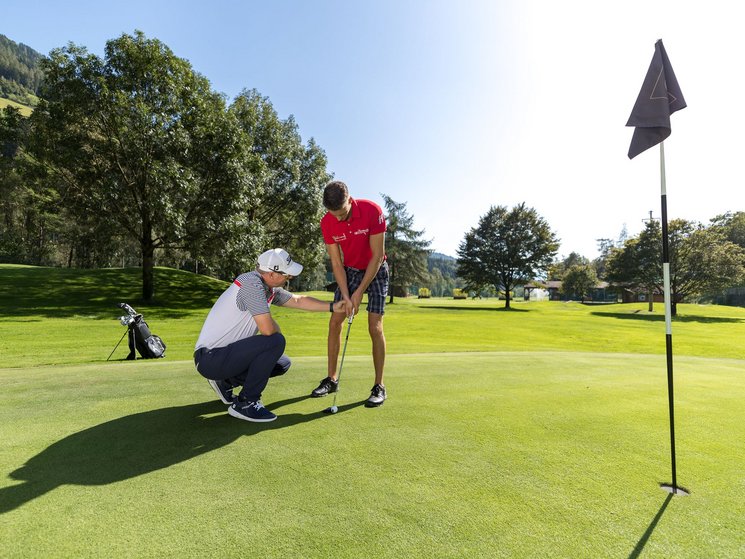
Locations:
(537, 449)
(25, 110)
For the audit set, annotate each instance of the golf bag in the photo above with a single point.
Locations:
(140, 338)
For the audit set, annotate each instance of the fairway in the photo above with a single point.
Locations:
(506, 454)
(540, 431)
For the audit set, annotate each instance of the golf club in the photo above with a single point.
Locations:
(333, 408)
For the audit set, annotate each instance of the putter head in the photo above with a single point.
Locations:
(332, 409)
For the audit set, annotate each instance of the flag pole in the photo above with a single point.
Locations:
(659, 97)
(668, 314)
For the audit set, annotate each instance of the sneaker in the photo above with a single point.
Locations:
(251, 411)
(223, 389)
(327, 386)
(377, 396)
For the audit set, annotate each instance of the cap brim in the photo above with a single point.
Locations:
(294, 269)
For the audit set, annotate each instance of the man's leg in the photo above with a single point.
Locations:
(282, 366)
(251, 360)
(259, 355)
(329, 383)
(375, 327)
(376, 296)
(334, 342)
(256, 357)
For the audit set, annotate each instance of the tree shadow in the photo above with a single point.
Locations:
(648, 532)
(94, 293)
(454, 308)
(660, 318)
(138, 444)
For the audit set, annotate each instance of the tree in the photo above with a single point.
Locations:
(406, 250)
(27, 217)
(507, 247)
(637, 264)
(701, 261)
(732, 226)
(442, 274)
(139, 140)
(558, 270)
(285, 201)
(579, 280)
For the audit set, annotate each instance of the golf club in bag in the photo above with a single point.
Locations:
(148, 345)
(333, 408)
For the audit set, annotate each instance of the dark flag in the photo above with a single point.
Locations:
(659, 97)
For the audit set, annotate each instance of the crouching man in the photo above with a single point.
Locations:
(241, 345)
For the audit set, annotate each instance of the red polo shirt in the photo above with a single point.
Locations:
(353, 235)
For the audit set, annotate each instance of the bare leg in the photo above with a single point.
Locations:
(375, 326)
(334, 342)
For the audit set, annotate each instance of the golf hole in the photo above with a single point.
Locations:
(674, 490)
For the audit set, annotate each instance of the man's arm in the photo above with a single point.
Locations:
(266, 324)
(340, 275)
(377, 246)
(308, 303)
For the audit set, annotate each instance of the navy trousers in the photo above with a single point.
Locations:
(248, 363)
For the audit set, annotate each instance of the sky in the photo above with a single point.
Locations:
(456, 106)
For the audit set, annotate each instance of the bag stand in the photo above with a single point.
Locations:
(117, 344)
(131, 332)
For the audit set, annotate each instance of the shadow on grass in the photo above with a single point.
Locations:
(450, 308)
(138, 444)
(652, 525)
(660, 318)
(66, 292)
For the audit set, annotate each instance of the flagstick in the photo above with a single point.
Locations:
(668, 315)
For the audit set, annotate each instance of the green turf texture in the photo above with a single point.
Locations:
(538, 432)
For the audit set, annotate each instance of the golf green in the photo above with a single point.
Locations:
(492, 454)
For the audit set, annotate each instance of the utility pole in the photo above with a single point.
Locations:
(651, 290)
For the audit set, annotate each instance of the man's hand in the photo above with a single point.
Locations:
(349, 307)
(356, 301)
(340, 306)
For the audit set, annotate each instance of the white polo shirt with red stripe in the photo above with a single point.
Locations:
(232, 316)
(353, 235)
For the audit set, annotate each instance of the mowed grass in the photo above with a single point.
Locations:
(63, 316)
(496, 440)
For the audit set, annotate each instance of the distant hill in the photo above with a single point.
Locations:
(20, 75)
(440, 256)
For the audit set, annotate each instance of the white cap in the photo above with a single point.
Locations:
(277, 260)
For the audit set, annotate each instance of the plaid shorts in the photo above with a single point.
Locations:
(377, 291)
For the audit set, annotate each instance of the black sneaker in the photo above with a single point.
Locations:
(327, 386)
(251, 411)
(223, 389)
(377, 396)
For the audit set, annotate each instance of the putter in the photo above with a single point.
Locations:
(333, 408)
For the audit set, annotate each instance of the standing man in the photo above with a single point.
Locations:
(240, 343)
(354, 233)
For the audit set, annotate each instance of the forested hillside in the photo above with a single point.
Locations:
(20, 75)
